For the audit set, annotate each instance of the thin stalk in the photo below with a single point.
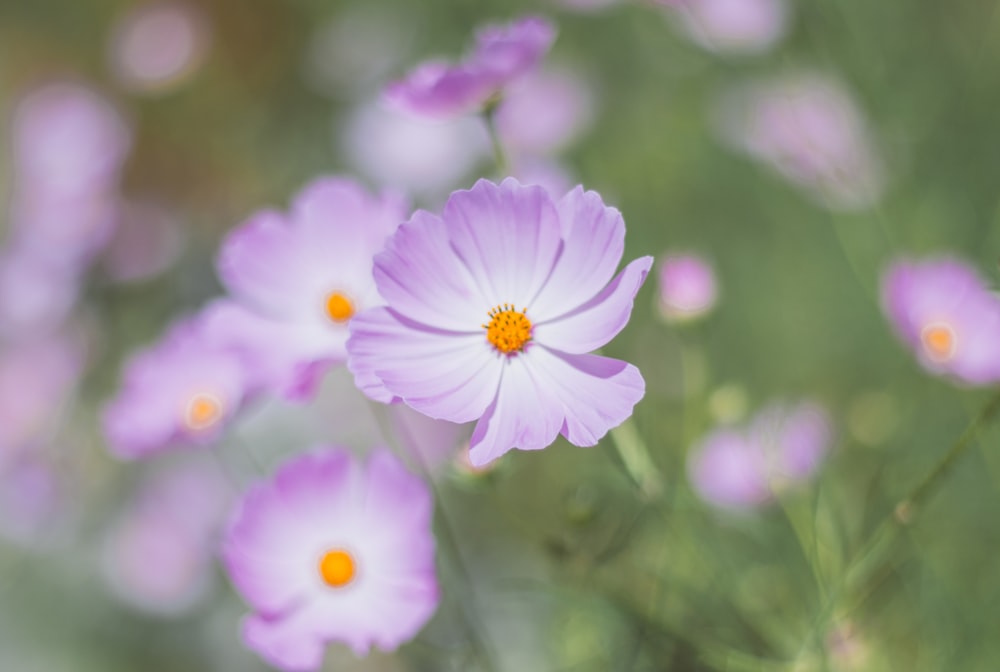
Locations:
(499, 155)
(873, 554)
(474, 625)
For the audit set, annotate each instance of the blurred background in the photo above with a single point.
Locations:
(784, 151)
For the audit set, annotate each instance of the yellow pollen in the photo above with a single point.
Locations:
(203, 411)
(337, 568)
(339, 308)
(508, 329)
(939, 341)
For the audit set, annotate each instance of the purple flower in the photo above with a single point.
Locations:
(155, 47)
(492, 308)
(733, 26)
(36, 295)
(543, 112)
(302, 277)
(36, 380)
(810, 131)
(411, 153)
(687, 287)
(68, 144)
(742, 467)
(502, 54)
(944, 311)
(35, 502)
(182, 390)
(331, 550)
(158, 556)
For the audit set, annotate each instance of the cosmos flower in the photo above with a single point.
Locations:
(69, 144)
(36, 502)
(157, 46)
(808, 129)
(687, 287)
(172, 526)
(733, 26)
(180, 391)
(742, 467)
(544, 111)
(944, 311)
(330, 550)
(502, 54)
(36, 381)
(414, 154)
(301, 277)
(491, 310)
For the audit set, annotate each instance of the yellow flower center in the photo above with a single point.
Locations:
(203, 410)
(339, 308)
(508, 329)
(337, 568)
(939, 341)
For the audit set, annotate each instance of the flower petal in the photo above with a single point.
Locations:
(261, 263)
(593, 241)
(507, 235)
(419, 275)
(343, 225)
(524, 415)
(597, 393)
(599, 320)
(444, 375)
(284, 643)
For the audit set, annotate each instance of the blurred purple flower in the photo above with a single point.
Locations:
(742, 467)
(158, 556)
(543, 112)
(68, 140)
(492, 308)
(944, 311)
(36, 381)
(34, 502)
(36, 295)
(687, 287)
(156, 46)
(180, 391)
(733, 26)
(69, 144)
(502, 54)
(809, 130)
(307, 274)
(331, 550)
(413, 154)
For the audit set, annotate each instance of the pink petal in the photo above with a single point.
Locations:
(261, 262)
(598, 321)
(420, 276)
(507, 235)
(596, 393)
(525, 414)
(593, 241)
(441, 374)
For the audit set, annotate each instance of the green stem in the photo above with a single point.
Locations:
(446, 534)
(499, 155)
(875, 552)
(907, 507)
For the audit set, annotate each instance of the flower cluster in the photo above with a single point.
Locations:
(488, 310)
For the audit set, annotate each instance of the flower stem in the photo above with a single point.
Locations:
(907, 507)
(871, 558)
(467, 600)
(499, 155)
